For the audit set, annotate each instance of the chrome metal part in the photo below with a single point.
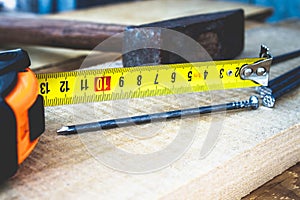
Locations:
(248, 72)
(280, 82)
(268, 101)
(257, 72)
(264, 52)
(280, 86)
(261, 71)
(254, 102)
(263, 91)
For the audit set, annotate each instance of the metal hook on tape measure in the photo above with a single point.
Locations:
(259, 71)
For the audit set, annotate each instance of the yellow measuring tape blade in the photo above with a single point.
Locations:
(135, 82)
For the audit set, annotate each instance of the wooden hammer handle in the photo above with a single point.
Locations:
(56, 33)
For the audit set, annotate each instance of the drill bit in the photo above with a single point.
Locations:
(252, 103)
(279, 82)
(285, 57)
(280, 86)
(269, 100)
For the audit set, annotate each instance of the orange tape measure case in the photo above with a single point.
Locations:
(21, 111)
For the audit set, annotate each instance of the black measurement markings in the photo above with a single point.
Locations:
(221, 73)
(64, 86)
(139, 80)
(205, 74)
(44, 87)
(84, 84)
(173, 77)
(237, 72)
(155, 81)
(190, 73)
(121, 81)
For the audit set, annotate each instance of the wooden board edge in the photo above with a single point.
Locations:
(238, 177)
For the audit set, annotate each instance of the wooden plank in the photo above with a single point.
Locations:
(251, 148)
(284, 186)
(141, 12)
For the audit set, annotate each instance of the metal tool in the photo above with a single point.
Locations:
(21, 111)
(252, 103)
(285, 57)
(280, 88)
(279, 82)
(220, 34)
(258, 71)
(145, 81)
(270, 99)
(137, 82)
(224, 32)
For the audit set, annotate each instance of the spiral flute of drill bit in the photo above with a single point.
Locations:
(252, 103)
(280, 86)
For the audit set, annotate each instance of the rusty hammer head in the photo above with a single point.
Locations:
(220, 34)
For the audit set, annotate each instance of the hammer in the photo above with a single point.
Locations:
(221, 34)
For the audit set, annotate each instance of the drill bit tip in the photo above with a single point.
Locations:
(65, 130)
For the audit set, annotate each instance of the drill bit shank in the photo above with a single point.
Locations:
(144, 119)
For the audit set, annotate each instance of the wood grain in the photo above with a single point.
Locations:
(284, 186)
(252, 147)
(56, 33)
(132, 13)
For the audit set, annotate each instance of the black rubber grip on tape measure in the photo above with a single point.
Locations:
(8, 142)
(36, 118)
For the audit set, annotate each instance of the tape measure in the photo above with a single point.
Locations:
(21, 111)
(136, 82)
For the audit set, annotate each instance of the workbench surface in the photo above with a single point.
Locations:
(251, 148)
